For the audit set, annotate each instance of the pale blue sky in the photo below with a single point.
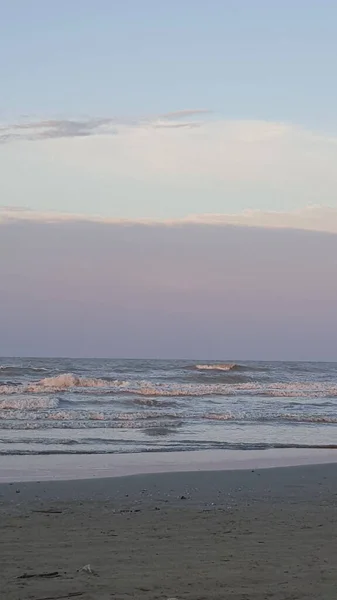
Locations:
(264, 69)
(257, 59)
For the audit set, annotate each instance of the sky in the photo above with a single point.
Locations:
(184, 154)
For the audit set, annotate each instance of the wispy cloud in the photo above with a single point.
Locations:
(70, 128)
(174, 164)
(54, 128)
(311, 218)
(183, 114)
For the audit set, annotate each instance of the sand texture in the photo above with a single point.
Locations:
(242, 535)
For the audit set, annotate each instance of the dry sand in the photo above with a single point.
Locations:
(243, 535)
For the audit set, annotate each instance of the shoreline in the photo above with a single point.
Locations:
(211, 488)
(30, 468)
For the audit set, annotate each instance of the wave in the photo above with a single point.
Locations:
(277, 418)
(69, 381)
(298, 389)
(85, 385)
(30, 403)
(220, 417)
(57, 383)
(219, 367)
(16, 370)
(181, 446)
(93, 423)
(18, 411)
(153, 402)
(309, 419)
(44, 410)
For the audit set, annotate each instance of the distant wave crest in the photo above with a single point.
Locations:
(14, 369)
(18, 368)
(219, 367)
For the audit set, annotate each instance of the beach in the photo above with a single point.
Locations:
(251, 534)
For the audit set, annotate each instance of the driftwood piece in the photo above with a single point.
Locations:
(70, 595)
(48, 512)
(42, 575)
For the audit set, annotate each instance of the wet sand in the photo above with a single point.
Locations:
(44, 467)
(243, 535)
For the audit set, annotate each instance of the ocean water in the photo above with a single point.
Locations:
(72, 406)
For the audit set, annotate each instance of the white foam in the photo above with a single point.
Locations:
(219, 367)
(308, 419)
(218, 416)
(9, 389)
(69, 381)
(65, 381)
(28, 403)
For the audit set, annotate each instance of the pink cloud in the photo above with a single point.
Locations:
(310, 218)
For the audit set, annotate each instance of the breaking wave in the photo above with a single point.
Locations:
(219, 367)
(57, 383)
(69, 381)
(76, 384)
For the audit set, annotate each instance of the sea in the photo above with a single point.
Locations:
(105, 406)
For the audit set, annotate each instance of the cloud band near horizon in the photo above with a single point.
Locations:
(83, 288)
(310, 218)
(166, 167)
